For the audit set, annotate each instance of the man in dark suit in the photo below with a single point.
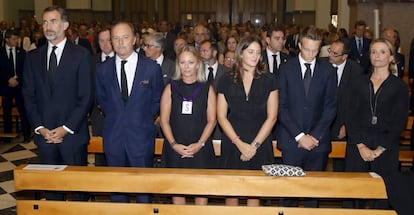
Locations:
(275, 37)
(360, 46)
(11, 76)
(97, 115)
(154, 48)
(57, 90)
(347, 71)
(292, 41)
(307, 107)
(214, 71)
(128, 88)
(164, 28)
(138, 43)
(3, 29)
(391, 35)
(73, 36)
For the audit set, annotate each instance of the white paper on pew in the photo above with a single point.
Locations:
(374, 175)
(45, 167)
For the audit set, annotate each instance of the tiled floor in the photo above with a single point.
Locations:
(12, 155)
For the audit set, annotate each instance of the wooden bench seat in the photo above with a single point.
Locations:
(338, 149)
(192, 182)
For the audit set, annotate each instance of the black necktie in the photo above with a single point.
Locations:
(274, 64)
(336, 75)
(307, 78)
(11, 61)
(52, 65)
(107, 57)
(210, 78)
(124, 84)
(359, 45)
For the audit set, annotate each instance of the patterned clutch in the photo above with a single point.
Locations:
(283, 170)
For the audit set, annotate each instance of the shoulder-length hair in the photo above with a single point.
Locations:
(391, 66)
(238, 69)
(201, 76)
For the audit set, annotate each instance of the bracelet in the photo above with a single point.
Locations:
(202, 143)
(173, 144)
(234, 139)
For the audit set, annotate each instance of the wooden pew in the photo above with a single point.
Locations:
(338, 149)
(193, 182)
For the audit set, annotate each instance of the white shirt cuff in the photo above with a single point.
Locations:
(68, 129)
(297, 138)
(36, 131)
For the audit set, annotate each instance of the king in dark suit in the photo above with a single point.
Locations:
(307, 107)
(57, 90)
(128, 88)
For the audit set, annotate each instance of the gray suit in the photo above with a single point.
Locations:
(168, 70)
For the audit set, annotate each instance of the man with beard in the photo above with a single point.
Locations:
(57, 91)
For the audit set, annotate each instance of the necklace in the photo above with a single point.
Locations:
(373, 102)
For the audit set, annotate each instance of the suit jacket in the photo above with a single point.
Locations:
(86, 44)
(311, 114)
(283, 59)
(6, 72)
(221, 70)
(168, 70)
(352, 72)
(68, 101)
(169, 46)
(363, 58)
(290, 44)
(400, 59)
(130, 126)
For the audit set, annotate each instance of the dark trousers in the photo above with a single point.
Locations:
(308, 161)
(127, 160)
(58, 154)
(7, 103)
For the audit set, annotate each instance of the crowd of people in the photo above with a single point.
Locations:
(243, 85)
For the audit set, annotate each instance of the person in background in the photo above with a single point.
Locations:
(247, 108)
(360, 46)
(188, 118)
(391, 35)
(11, 79)
(378, 116)
(229, 59)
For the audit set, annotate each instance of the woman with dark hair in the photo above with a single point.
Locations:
(343, 33)
(378, 116)
(247, 110)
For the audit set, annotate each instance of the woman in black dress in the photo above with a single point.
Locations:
(378, 116)
(247, 107)
(188, 117)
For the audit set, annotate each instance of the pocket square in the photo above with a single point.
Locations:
(283, 170)
(144, 82)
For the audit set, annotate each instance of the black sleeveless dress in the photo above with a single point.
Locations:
(187, 128)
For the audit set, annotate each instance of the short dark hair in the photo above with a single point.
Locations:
(359, 23)
(274, 28)
(10, 33)
(347, 45)
(61, 11)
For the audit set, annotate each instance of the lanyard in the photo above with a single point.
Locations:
(193, 95)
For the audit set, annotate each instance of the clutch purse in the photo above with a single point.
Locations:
(283, 170)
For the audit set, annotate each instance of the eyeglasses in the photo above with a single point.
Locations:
(148, 46)
(229, 59)
(335, 54)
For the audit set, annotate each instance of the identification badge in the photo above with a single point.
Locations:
(187, 107)
(374, 120)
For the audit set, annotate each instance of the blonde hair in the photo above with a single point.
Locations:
(201, 76)
(391, 66)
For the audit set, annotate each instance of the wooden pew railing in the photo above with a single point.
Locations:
(193, 182)
(338, 149)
